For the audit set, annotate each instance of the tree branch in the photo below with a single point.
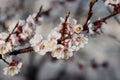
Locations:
(20, 51)
(105, 18)
(90, 13)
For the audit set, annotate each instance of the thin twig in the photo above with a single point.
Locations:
(90, 13)
(38, 14)
(12, 32)
(5, 61)
(107, 17)
(115, 17)
(67, 15)
(20, 51)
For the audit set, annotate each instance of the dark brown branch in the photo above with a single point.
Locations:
(90, 13)
(67, 15)
(5, 61)
(20, 51)
(64, 24)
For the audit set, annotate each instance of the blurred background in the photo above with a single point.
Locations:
(99, 60)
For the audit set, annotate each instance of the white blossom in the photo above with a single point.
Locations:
(42, 47)
(2, 41)
(14, 40)
(58, 53)
(70, 20)
(27, 30)
(3, 35)
(68, 53)
(61, 52)
(54, 35)
(4, 48)
(80, 40)
(37, 38)
(20, 23)
(31, 22)
(12, 70)
(52, 45)
(107, 2)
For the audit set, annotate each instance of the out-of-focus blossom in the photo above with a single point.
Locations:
(3, 36)
(14, 40)
(54, 35)
(13, 69)
(108, 2)
(52, 45)
(4, 48)
(37, 38)
(31, 22)
(27, 31)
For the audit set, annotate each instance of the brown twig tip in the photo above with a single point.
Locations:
(12, 32)
(39, 13)
(93, 1)
(90, 13)
(67, 15)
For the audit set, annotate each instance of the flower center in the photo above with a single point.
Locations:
(11, 70)
(42, 46)
(78, 29)
(3, 48)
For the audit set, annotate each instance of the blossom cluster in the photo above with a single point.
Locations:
(18, 34)
(61, 42)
